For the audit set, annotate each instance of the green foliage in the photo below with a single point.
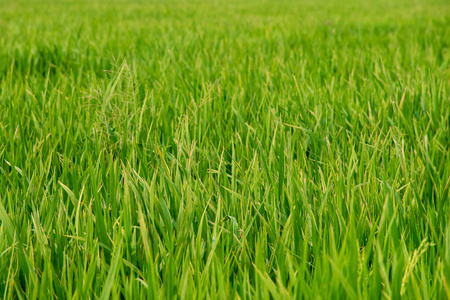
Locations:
(214, 149)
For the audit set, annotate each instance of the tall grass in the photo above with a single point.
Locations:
(214, 149)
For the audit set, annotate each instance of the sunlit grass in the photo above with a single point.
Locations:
(225, 149)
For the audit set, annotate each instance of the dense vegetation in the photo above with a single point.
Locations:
(217, 149)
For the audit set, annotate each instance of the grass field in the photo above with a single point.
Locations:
(225, 149)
